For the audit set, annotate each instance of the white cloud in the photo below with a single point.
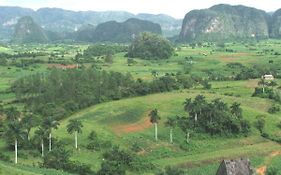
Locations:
(176, 8)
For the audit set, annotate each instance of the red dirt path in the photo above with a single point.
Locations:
(262, 170)
(133, 127)
(61, 66)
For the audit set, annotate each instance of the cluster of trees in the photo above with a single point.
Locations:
(214, 118)
(17, 127)
(22, 55)
(150, 46)
(62, 92)
(267, 90)
(241, 72)
(16, 130)
(104, 49)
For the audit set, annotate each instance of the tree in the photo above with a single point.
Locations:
(262, 82)
(154, 119)
(15, 132)
(194, 108)
(171, 123)
(236, 110)
(12, 114)
(58, 158)
(29, 122)
(150, 46)
(260, 123)
(188, 105)
(116, 161)
(272, 84)
(49, 123)
(198, 105)
(41, 134)
(76, 127)
(185, 126)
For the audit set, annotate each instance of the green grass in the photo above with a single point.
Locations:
(11, 169)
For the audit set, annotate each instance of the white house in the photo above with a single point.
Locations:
(267, 77)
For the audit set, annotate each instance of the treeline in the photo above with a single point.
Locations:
(99, 50)
(241, 72)
(61, 92)
(16, 129)
(11, 59)
(22, 54)
(104, 49)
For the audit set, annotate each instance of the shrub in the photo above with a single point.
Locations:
(274, 109)
(271, 171)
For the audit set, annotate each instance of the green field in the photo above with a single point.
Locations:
(126, 122)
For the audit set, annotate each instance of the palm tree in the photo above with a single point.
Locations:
(49, 123)
(262, 82)
(41, 134)
(187, 104)
(76, 127)
(236, 110)
(171, 123)
(185, 126)
(29, 122)
(154, 119)
(12, 114)
(15, 132)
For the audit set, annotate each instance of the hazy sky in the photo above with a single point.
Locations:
(175, 8)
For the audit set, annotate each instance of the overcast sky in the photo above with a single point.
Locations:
(175, 8)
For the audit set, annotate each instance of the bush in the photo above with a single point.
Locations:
(59, 158)
(274, 109)
(271, 171)
(172, 171)
(4, 157)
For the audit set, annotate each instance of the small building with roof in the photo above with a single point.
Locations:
(235, 167)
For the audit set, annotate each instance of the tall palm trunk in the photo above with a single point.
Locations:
(171, 135)
(155, 131)
(76, 140)
(50, 141)
(42, 148)
(16, 151)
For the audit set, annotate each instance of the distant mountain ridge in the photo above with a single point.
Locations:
(60, 20)
(28, 31)
(119, 32)
(219, 22)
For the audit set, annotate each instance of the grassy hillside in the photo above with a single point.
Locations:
(126, 121)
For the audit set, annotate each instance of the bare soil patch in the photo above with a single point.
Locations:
(141, 125)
